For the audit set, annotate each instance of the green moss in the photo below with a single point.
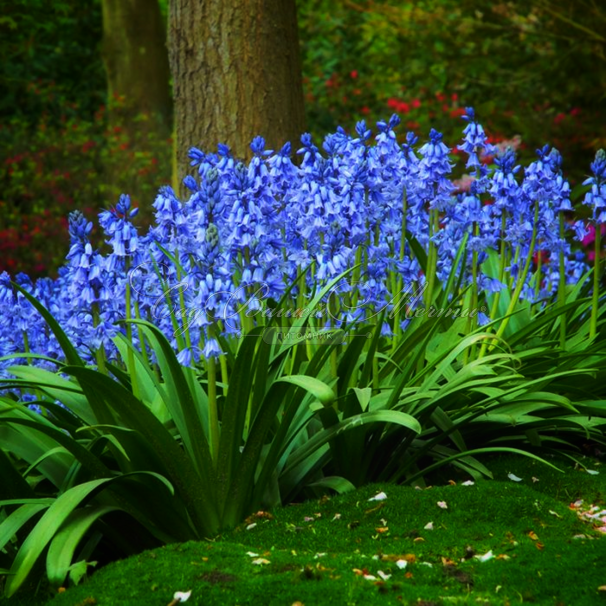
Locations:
(527, 525)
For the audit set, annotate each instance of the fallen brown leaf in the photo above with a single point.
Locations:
(373, 509)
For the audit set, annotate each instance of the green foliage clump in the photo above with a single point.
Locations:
(55, 166)
(537, 69)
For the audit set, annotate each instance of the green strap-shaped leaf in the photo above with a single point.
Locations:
(379, 416)
(15, 521)
(71, 355)
(89, 461)
(181, 403)
(198, 489)
(46, 528)
(65, 542)
(336, 483)
(314, 386)
(12, 483)
(235, 409)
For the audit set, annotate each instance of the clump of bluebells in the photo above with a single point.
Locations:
(215, 263)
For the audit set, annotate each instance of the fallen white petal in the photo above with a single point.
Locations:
(384, 576)
(484, 558)
(592, 472)
(428, 526)
(513, 477)
(369, 577)
(251, 526)
(468, 483)
(427, 564)
(260, 561)
(182, 596)
(442, 504)
(535, 480)
(401, 564)
(378, 497)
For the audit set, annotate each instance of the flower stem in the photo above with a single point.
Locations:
(521, 277)
(213, 413)
(129, 333)
(397, 290)
(562, 285)
(593, 327)
(432, 258)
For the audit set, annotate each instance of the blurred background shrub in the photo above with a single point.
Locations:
(535, 71)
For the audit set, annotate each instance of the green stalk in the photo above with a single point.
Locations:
(355, 276)
(399, 283)
(472, 322)
(432, 258)
(562, 286)
(100, 354)
(213, 415)
(521, 277)
(224, 374)
(129, 334)
(503, 263)
(142, 341)
(26, 345)
(593, 327)
(376, 383)
(537, 286)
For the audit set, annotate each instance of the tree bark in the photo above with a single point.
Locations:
(136, 61)
(236, 74)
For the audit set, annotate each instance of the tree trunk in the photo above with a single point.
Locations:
(136, 60)
(236, 74)
(140, 107)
